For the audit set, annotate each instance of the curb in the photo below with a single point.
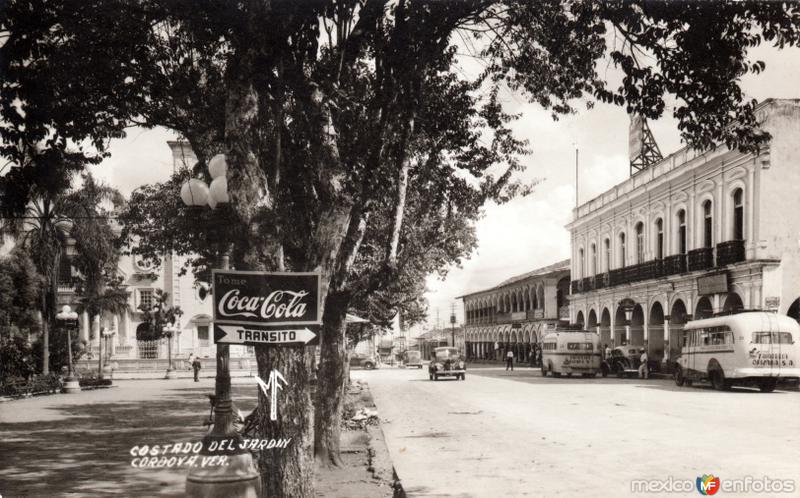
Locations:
(380, 460)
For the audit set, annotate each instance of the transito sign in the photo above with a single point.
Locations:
(275, 308)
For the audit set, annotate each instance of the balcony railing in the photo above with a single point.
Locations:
(701, 259)
(729, 252)
(675, 264)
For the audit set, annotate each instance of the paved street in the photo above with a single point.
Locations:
(504, 434)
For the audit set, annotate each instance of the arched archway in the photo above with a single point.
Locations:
(146, 341)
(637, 326)
(794, 309)
(655, 329)
(703, 309)
(591, 323)
(733, 303)
(579, 319)
(605, 327)
(677, 319)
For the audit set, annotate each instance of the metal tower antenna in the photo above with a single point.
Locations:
(642, 146)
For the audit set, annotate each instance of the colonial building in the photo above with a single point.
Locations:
(124, 336)
(515, 313)
(695, 234)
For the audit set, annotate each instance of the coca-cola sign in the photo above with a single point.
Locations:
(262, 298)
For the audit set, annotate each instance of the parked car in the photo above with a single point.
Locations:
(413, 359)
(620, 360)
(447, 362)
(365, 361)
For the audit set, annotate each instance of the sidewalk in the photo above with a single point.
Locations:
(80, 443)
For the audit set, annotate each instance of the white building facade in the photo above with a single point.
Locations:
(516, 313)
(697, 233)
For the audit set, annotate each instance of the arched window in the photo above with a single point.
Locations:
(607, 250)
(681, 232)
(738, 215)
(622, 250)
(639, 243)
(708, 225)
(659, 238)
(593, 263)
(581, 273)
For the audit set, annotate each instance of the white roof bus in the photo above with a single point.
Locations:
(571, 352)
(749, 348)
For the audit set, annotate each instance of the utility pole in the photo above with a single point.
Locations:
(453, 324)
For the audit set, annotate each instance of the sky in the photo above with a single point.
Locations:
(526, 233)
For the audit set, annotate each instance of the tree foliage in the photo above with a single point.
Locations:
(356, 147)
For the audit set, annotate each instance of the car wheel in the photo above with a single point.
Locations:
(767, 385)
(679, 378)
(718, 380)
(368, 366)
(619, 369)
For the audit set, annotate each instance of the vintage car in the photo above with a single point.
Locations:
(447, 362)
(621, 360)
(413, 359)
(365, 361)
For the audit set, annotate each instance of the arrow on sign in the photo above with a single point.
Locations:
(274, 385)
(240, 334)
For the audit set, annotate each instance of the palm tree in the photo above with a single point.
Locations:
(99, 288)
(43, 231)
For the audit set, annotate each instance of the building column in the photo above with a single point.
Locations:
(85, 326)
(666, 337)
(612, 326)
(749, 208)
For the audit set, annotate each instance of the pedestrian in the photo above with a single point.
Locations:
(510, 360)
(643, 370)
(607, 352)
(604, 352)
(196, 366)
(189, 361)
(535, 354)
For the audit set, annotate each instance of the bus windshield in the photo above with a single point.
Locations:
(580, 346)
(447, 353)
(772, 337)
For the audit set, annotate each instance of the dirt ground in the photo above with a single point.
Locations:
(80, 444)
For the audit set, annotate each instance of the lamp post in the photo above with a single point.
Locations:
(169, 331)
(627, 306)
(69, 318)
(239, 478)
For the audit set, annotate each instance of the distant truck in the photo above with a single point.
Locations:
(572, 352)
(413, 359)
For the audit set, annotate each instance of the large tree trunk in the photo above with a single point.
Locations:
(331, 380)
(287, 472)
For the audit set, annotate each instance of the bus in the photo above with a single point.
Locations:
(571, 352)
(753, 348)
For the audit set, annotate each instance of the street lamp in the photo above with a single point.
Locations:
(627, 306)
(239, 477)
(69, 318)
(169, 331)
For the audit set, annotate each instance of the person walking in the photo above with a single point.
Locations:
(535, 354)
(643, 370)
(196, 366)
(510, 360)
